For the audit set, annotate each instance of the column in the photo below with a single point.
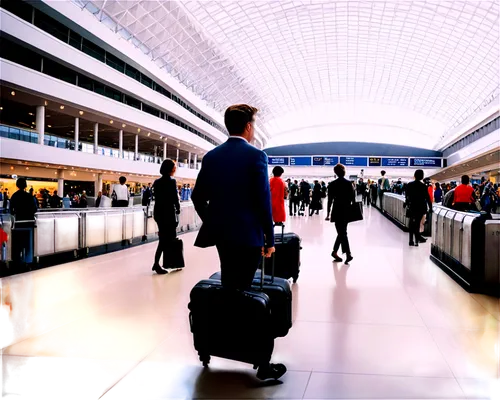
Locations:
(96, 138)
(136, 155)
(40, 124)
(120, 144)
(60, 183)
(77, 133)
(177, 156)
(189, 160)
(98, 184)
(164, 151)
(196, 161)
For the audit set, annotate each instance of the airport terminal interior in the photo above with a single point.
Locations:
(398, 101)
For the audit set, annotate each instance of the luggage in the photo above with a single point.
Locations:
(279, 292)
(231, 324)
(176, 254)
(355, 212)
(287, 256)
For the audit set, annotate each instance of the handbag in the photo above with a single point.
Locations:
(177, 254)
(355, 212)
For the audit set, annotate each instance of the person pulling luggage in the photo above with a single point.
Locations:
(242, 230)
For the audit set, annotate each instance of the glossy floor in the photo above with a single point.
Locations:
(391, 325)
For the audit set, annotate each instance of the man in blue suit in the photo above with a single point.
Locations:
(238, 219)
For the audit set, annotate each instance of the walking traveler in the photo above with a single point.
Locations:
(120, 194)
(278, 196)
(417, 203)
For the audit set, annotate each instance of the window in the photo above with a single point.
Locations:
(150, 110)
(58, 71)
(93, 50)
(132, 72)
(75, 40)
(19, 54)
(99, 88)
(85, 82)
(130, 101)
(146, 81)
(113, 94)
(51, 26)
(115, 62)
(20, 8)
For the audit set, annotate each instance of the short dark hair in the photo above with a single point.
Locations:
(465, 179)
(122, 180)
(237, 117)
(382, 172)
(278, 171)
(21, 183)
(419, 174)
(438, 185)
(339, 169)
(167, 166)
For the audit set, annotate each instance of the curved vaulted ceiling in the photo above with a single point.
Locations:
(393, 71)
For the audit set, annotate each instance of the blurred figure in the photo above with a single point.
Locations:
(83, 201)
(438, 193)
(98, 199)
(464, 197)
(383, 186)
(316, 199)
(293, 198)
(35, 200)
(278, 196)
(120, 194)
(147, 194)
(417, 201)
(5, 200)
(55, 201)
(23, 210)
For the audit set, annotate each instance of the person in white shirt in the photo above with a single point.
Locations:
(120, 194)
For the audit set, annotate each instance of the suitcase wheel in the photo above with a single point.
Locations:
(255, 366)
(205, 360)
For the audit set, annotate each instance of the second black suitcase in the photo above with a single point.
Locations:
(287, 256)
(230, 323)
(280, 296)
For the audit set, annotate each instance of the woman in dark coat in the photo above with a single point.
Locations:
(417, 201)
(340, 197)
(316, 199)
(166, 210)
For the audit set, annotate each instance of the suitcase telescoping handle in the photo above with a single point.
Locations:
(262, 272)
(282, 224)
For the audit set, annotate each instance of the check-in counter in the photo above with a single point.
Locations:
(467, 246)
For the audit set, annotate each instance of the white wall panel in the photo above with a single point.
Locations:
(24, 151)
(479, 147)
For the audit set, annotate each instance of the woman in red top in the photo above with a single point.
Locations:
(463, 197)
(278, 195)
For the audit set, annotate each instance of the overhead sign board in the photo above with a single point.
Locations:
(374, 162)
(425, 162)
(278, 160)
(354, 161)
(300, 161)
(325, 160)
(395, 162)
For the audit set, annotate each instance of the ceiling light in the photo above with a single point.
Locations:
(30, 114)
(11, 168)
(161, 137)
(149, 133)
(49, 126)
(13, 93)
(138, 129)
(61, 107)
(27, 168)
(1, 108)
(46, 103)
(178, 145)
(111, 121)
(124, 125)
(80, 112)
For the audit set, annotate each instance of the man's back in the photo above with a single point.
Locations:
(240, 214)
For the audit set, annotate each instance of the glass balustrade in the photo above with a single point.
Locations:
(27, 135)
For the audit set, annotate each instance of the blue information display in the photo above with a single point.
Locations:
(325, 160)
(374, 162)
(331, 160)
(395, 162)
(354, 161)
(300, 161)
(425, 162)
(278, 160)
(318, 160)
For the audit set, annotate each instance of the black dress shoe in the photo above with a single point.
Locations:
(271, 371)
(159, 270)
(336, 258)
(348, 259)
(421, 239)
(412, 243)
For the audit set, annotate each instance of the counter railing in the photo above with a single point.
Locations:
(82, 230)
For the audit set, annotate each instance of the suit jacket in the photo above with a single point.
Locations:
(166, 201)
(417, 199)
(340, 196)
(240, 214)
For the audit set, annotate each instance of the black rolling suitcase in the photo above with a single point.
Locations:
(231, 324)
(287, 256)
(279, 292)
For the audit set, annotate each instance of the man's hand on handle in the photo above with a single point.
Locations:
(268, 252)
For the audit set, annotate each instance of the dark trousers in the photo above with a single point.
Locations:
(238, 265)
(366, 199)
(414, 227)
(166, 235)
(294, 204)
(342, 239)
(121, 203)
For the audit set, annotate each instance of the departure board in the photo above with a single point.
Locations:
(425, 162)
(395, 162)
(331, 160)
(374, 162)
(318, 160)
(354, 161)
(303, 161)
(278, 160)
